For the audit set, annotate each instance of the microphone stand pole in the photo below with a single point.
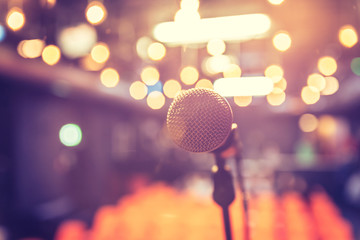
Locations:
(230, 148)
(224, 193)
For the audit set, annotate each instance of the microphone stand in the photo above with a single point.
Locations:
(224, 193)
(230, 148)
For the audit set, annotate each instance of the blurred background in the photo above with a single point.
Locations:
(84, 91)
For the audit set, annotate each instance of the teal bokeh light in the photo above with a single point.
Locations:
(70, 135)
(355, 66)
(2, 33)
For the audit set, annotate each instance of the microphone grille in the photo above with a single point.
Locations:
(199, 120)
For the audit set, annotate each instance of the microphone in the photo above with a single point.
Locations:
(199, 120)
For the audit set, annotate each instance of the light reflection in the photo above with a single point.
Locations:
(171, 88)
(51, 54)
(310, 95)
(95, 13)
(186, 17)
(348, 36)
(276, 2)
(155, 100)
(190, 5)
(150, 75)
(109, 77)
(15, 19)
(138, 90)
(189, 75)
(308, 122)
(243, 86)
(327, 65)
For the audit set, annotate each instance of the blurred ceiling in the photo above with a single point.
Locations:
(312, 25)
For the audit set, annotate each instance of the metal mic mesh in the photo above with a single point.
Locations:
(199, 120)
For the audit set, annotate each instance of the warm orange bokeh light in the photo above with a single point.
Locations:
(310, 95)
(276, 97)
(95, 13)
(348, 36)
(316, 80)
(138, 90)
(109, 77)
(282, 41)
(232, 71)
(308, 122)
(150, 75)
(204, 83)
(100, 53)
(243, 101)
(15, 19)
(189, 75)
(171, 88)
(51, 54)
(156, 51)
(275, 72)
(327, 65)
(155, 100)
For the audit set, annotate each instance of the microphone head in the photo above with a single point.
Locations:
(199, 120)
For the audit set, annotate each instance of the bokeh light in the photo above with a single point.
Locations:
(276, 2)
(282, 84)
(316, 80)
(216, 47)
(216, 64)
(2, 33)
(77, 41)
(355, 66)
(156, 51)
(15, 19)
(348, 36)
(189, 75)
(142, 45)
(186, 16)
(327, 65)
(109, 77)
(150, 75)
(282, 41)
(48, 3)
(310, 95)
(232, 71)
(242, 101)
(331, 86)
(138, 90)
(327, 126)
(308, 122)
(276, 97)
(275, 72)
(70, 135)
(51, 54)
(155, 100)
(171, 88)
(89, 64)
(100, 52)
(204, 83)
(190, 5)
(33, 48)
(95, 13)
